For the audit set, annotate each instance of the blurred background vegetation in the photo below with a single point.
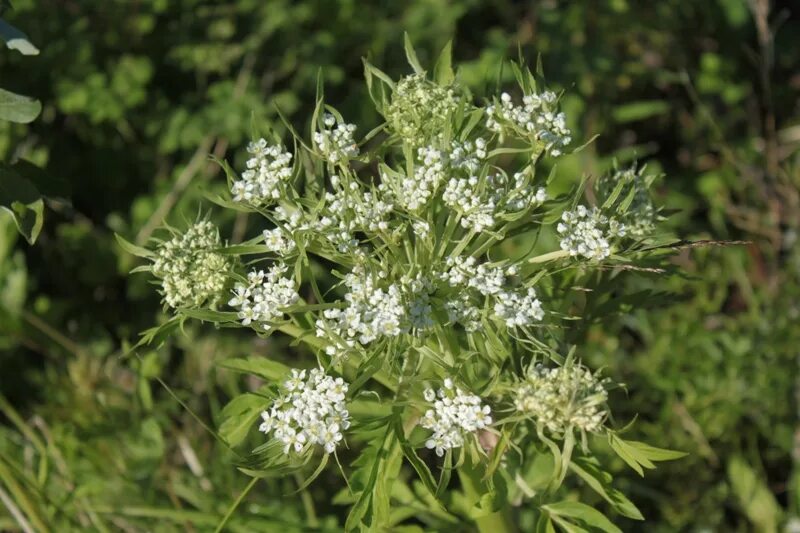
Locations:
(136, 94)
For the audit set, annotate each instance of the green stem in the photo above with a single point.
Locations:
(235, 505)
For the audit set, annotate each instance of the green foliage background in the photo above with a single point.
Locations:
(136, 94)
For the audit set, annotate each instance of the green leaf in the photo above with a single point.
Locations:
(16, 40)
(208, 315)
(133, 249)
(443, 70)
(639, 110)
(411, 55)
(599, 481)
(239, 416)
(755, 498)
(638, 454)
(258, 366)
(17, 108)
(22, 200)
(582, 513)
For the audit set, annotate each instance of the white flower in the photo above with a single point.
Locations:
(191, 272)
(420, 109)
(264, 297)
(536, 117)
(335, 142)
(311, 410)
(268, 170)
(371, 312)
(276, 241)
(518, 308)
(455, 414)
(587, 232)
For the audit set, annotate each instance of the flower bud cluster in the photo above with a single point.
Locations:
(641, 216)
(310, 411)
(420, 110)
(587, 232)
(561, 399)
(264, 297)
(537, 117)
(191, 272)
(455, 414)
(335, 141)
(269, 168)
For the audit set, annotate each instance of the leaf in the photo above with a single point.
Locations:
(418, 464)
(208, 315)
(47, 185)
(17, 108)
(638, 454)
(16, 40)
(411, 55)
(639, 110)
(258, 366)
(238, 416)
(20, 197)
(582, 513)
(599, 481)
(133, 249)
(755, 498)
(443, 70)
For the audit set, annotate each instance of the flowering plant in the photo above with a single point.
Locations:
(442, 336)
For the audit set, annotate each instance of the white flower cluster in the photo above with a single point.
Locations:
(464, 271)
(586, 232)
(455, 414)
(417, 190)
(420, 110)
(524, 195)
(349, 209)
(518, 308)
(335, 142)
(513, 306)
(267, 171)
(536, 116)
(277, 241)
(311, 411)
(563, 398)
(370, 312)
(191, 272)
(461, 310)
(466, 196)
(264, 297)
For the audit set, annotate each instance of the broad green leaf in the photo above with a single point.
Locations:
(17, 108)
(239, 417)
(16, 40)
(599, 481)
